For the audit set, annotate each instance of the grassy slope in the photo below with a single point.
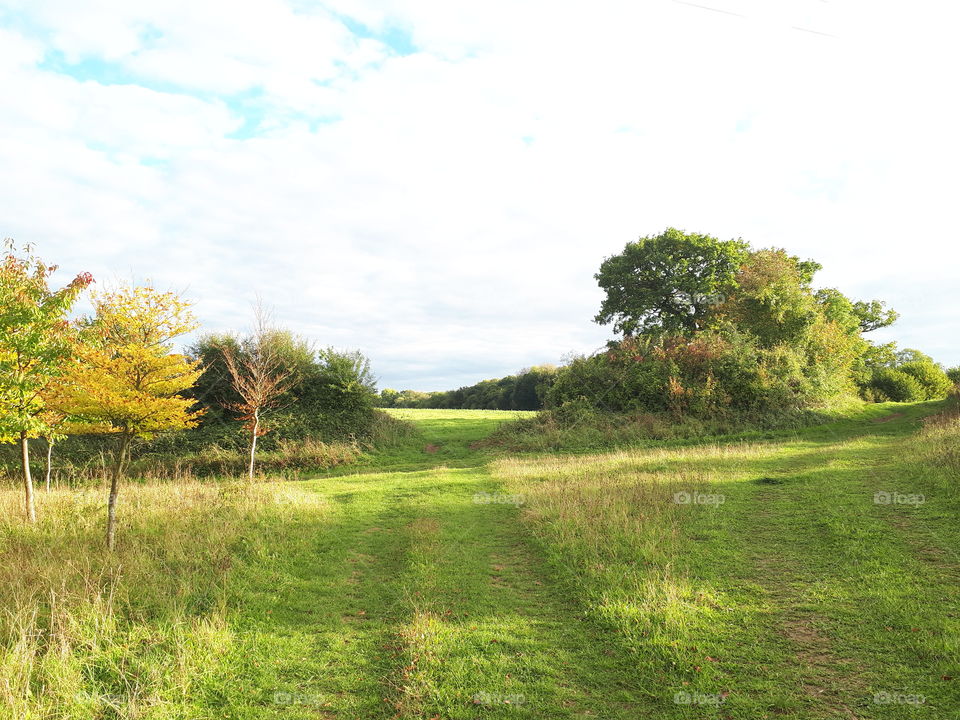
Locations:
(389, 591)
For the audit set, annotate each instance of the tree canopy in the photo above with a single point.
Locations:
(36, 342)
(667, 282)
(128, 380)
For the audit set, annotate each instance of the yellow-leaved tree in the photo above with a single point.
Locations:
(127, 379)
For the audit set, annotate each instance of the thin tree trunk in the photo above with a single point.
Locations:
(49, 460)
(114, 490)
(27, 478)
(253, 442)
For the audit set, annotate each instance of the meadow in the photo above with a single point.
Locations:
(812, 574)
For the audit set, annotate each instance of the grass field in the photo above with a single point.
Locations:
(439, 579)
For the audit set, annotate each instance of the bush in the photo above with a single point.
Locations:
(712, 375)
(954, 375)
(897, 385)
(931, 377)
(332, 399)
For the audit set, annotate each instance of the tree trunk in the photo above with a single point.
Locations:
(254, 430)
(27, 478)
(114, 489)
(49, 460)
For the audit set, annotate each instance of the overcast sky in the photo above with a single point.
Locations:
(435, 182)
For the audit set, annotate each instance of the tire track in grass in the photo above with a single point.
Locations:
(490, 635)
(464, 618)
(828, 681)
(326, 608)
(848, 592)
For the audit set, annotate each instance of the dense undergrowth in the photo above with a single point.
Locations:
(577, 425)
(82, 460)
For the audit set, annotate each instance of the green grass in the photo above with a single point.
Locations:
(444, 579)
(441, 437)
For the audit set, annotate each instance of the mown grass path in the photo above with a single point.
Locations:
(798, 596)
(412, 599)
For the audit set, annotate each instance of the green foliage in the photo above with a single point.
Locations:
(874, 315)
(523, 391)
(403, 399)
(881, 370)
(332, 398)
(773, 300)
(772, 345)
(954, 375)
(670, 282)
(767, 339)
(335, 399)
(934, 381)
(895, 385)
(36, 340)
(388, 398)
(710, 375)
(531, 387)
(866, 315)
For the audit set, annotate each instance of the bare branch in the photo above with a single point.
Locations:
(258, 375)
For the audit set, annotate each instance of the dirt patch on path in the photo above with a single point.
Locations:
(826, 677)
(926, 545)
(888, 418)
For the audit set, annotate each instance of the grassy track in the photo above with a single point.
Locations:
(442, 581)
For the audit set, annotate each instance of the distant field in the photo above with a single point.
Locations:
(790, 577)
(465, 422)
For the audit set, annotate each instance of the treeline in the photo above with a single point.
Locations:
(527, 390)
(716, 329)
(109, 391)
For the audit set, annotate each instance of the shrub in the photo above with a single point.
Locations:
(897, 385)
(954, 375)
(332, 399)
(711, 375)
(931, 377)
(874, 395)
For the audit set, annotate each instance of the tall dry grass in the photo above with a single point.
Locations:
(935, 450)
(291, 459)
(611, 524)
(85, 633)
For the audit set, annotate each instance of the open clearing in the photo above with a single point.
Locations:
(442, 580)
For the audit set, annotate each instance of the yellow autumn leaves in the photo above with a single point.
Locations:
(125, 377)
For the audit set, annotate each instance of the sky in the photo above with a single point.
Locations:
(435, 182)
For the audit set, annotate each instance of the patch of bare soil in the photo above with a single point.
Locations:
(888, 418)
(925, 545)
(425, 526)
(825, 677)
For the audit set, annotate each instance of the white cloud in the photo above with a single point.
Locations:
(445, 210)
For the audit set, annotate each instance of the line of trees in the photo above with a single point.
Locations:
(112, 373)
(711, 327)
(527, 390)
(112, 379)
